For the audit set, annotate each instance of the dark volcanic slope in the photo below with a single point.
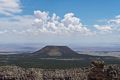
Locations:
(56, 51)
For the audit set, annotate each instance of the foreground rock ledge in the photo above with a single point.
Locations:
(96, 71)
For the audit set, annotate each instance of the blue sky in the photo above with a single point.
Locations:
(87, 11)
(63, 22)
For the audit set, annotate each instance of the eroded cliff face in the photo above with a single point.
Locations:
(96, 71)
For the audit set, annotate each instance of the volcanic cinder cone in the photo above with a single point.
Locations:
(55, 51)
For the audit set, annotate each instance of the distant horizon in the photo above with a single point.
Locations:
(6, 49)
(35, 46)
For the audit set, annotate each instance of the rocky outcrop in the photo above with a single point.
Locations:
(99, 71)
(96, 71)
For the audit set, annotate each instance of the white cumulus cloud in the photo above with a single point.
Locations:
(115, 21)
(10, 7)
(44, 27)
(54, 24)
(112, 25)
(103, 27)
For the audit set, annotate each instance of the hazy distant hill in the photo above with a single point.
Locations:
(55, 51)
(58, 52)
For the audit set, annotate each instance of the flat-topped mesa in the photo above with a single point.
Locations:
(55, 51)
